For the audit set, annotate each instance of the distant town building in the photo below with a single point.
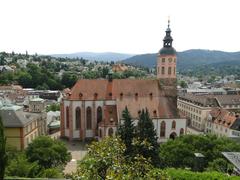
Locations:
(223, 123)
(119, 68)
(6, 68)
(94, 107)
(197, 107)
(21, 128)
(36, 105)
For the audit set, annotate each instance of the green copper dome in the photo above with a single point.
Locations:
(167, 51)
(167, 43)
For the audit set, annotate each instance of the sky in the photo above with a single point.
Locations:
(125, 26)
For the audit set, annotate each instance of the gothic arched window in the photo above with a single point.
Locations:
(174, 125)
(99, 114)
(162, 129)
(67, 117)
(89, 118)
(77, 117)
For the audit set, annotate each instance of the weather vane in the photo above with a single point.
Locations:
(168, 21)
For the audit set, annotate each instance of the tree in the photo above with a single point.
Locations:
(21, 167)
(106, 160)
(183, 84)
(179, 153)
(49, 153)
(126, 132)
(146, 132)
(68, 80)
(221, 165)
(3, 154)
(53, 107)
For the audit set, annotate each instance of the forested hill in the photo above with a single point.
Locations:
(190, 59)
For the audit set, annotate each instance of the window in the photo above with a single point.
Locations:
(181, 131)
(67, 117)
(163, 70)
(174, 125)
(170, 60)
(99, 114)
(151, 96)
(163, 60)
(89, 118)
(162, 129)
(110, 131)
(169, 70)
(77, 118)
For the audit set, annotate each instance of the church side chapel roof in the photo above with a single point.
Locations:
(110, 115)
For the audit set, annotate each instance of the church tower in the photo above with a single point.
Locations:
(166, 60)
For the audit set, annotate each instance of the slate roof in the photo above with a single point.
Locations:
(18, 118)
(210, 100)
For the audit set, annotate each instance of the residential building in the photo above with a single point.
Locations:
(223, 123)
(21, 128)
(197, 107)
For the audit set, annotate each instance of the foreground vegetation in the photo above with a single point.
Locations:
(44, 158)
(134, 154)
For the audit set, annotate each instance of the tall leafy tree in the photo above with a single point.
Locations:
(179, 153)
(147, 134)
(126, 131)
(3, 154)
(49, 153)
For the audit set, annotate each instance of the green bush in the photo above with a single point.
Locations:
(180, 174)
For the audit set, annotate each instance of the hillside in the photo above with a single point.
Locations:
(190, 59)
(106, 56)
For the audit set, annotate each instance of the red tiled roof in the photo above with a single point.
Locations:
(223, 117)
(136, 94)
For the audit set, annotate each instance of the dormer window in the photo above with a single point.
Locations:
(110, 94)
(151, 95)
(136, 96)
(80, 95)
(95, 95)
(121, 96)
(155, 113)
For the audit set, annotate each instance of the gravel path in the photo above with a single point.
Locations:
(78, 151)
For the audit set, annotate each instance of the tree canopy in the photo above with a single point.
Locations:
(179, 153)
(48, 152)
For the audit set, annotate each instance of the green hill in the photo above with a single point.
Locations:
(190, 59)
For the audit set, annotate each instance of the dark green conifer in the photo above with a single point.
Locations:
(146, 132)
(126, 131)
(3, 154)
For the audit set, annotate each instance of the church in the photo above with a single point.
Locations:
(93, 108)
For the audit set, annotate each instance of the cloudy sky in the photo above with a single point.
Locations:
(126, 26)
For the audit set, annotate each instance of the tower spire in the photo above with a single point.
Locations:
(168, 21)
(167, 41)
